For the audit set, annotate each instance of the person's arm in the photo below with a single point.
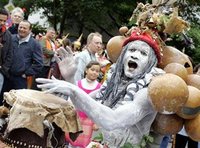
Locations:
(124, 116)
(94, 93)
(9, 56)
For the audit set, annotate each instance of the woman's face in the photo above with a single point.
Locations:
(92, 73)
(16, 17)
(58, 43)
(136, 58)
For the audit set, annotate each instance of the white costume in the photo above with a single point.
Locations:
(126, 114)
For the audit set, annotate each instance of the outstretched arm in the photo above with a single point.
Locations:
(124, 116)
(94, 93)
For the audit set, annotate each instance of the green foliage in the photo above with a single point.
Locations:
(194, 33)
(36, 29)
(89, 15)
(192, 50)
(146, 139)
(127, 145)
(98, 138)
(190, 12)
(3, 3)
(106, 17)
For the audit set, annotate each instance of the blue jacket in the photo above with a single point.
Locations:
(27, 58)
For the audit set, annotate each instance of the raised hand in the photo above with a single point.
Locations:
(55, 86)
(67, 63)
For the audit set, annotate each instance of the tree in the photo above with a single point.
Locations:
(106, 17)
(88, 15)
(3, 3)
(83, 16)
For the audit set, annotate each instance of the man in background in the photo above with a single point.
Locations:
(6, 51)
(94, 44)
(48, 48)
(27, 58)
(17, 15)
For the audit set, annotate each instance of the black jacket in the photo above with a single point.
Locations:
(27, 58)
(6, 53)
(13, 29)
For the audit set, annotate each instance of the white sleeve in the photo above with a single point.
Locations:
(124, 116)
(94, 93)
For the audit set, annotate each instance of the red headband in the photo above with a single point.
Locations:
(143, 36)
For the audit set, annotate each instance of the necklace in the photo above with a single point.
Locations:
(88, 80)
(90, 54)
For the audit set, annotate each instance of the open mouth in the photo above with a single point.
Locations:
(132, 64)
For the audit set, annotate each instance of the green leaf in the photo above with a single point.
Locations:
(98, 138)
(127, 145)
(150, 139)
(143, 143)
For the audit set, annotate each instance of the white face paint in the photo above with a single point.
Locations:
(136, 58)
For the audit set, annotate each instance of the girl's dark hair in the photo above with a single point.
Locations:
(89, 65)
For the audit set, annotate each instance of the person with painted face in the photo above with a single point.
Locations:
(126, 112)
(6, 50)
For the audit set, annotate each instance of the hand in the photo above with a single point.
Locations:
(1, 45)
(66, 63)
(23, 76)
(55, 86)
(95, 127)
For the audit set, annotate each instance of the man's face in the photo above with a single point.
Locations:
(136, 58)
(96, 44)
(3, 19)
(16, 17)
(51, 34)
(24, 29)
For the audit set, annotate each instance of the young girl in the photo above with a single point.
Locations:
(88, 84)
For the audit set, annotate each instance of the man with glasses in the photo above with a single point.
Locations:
(17, 16)
(94, 44)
